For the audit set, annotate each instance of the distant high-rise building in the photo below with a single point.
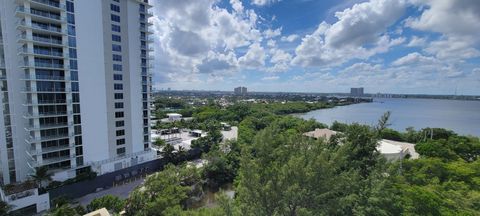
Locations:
(75, 84)
(240, 90)
(356, 92)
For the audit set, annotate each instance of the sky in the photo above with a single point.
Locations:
(386, 46)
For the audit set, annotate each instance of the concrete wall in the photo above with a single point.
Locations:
(91, 75)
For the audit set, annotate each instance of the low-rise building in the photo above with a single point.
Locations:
(174, 117)
(392, 150)
(323, 133)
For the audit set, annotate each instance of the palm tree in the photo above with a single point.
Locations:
(41, 176)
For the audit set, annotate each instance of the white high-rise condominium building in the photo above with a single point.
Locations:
(75, 83)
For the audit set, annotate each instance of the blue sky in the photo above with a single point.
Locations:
(394, 46)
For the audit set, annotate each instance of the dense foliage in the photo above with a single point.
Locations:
(278, 171)
(111, 203)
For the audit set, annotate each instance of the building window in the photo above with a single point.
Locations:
(118, 96)
(116, 47)
(73, 65)
(118, 105)
(72, 42)
(74, 75)
(121, 151)
(72, 53)
(115, 28)
(118, 86)
(119, 114)
(119, 123)
(117, 77)
(116, 57)
(76, 108)
(70, 7)
(120, 132)
(71, 30)
(116, 38)
(120, 141)
(75, 87)
(117, 67)
(71, 18)
(115, 18)
(115, 8)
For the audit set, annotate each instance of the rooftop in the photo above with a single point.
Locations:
(321, 133)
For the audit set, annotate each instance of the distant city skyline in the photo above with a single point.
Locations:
(394, 46)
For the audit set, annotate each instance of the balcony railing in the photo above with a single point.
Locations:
(49, 149)
(46, 27)
(50, 3)
(43, 40)
(47, 102)
(57, 159)
(48, 53)
(46, 114)
(48, 65)
(42, 14)
(47, 138)
(49, 126)
(47, 40)
(43, 89)
(44, 77)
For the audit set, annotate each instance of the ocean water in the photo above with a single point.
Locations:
(463, 117)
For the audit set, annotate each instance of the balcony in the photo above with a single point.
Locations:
(53, 90)
(44, 78)
(149, 57)
(31, 139)
(148, 39)
(42, 41)
(147, 48)
(40, 15)
(44, 54)
(35, 163)
(44, 65)
(47, 4)
(57, 159)
(147, 65)
(146, 30)
(145, 2)
(48, 126)
(46, 114)
(47, 102)
(48, 29)
(41, 151)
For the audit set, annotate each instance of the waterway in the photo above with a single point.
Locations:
(463, 117)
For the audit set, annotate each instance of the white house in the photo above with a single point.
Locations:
(174, 117)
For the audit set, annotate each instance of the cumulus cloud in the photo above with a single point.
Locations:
(254, 58)
(452, 48)
(415, 58)
(280, 60)
(417, 42)
(289, 38)
(358, 33)
(451, 17)
(269, 33)
(270, 78)
(364, 22)
(198, 37)
(457, 21)
(263, 2)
